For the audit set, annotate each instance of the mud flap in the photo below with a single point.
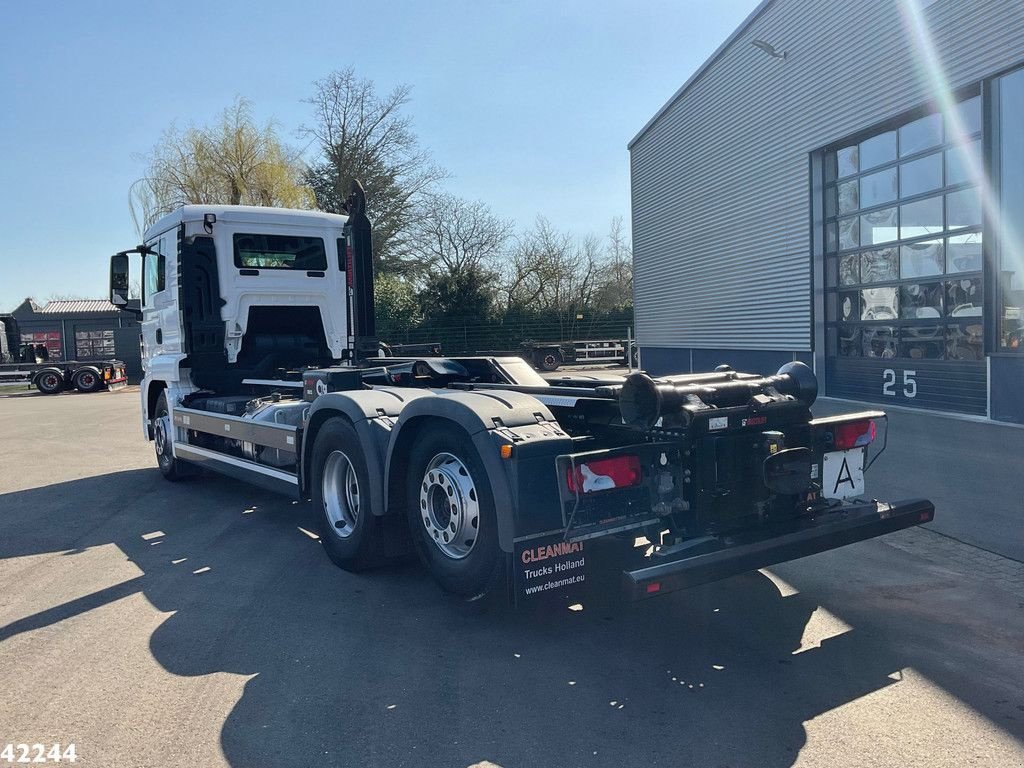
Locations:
(547, 565)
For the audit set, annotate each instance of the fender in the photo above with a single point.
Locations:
(95, 369)
(489, 418)
(165, 367)
(372, 413)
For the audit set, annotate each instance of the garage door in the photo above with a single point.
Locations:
(903, 265)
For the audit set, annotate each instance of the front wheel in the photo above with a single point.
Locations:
(172, 468)
(451, 512)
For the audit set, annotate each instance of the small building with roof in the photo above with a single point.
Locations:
(81, 329)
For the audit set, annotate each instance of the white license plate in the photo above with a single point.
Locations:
(842, 474)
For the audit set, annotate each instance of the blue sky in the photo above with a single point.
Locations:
(529, 105)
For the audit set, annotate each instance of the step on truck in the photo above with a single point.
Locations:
(262, 363)
(32, 364)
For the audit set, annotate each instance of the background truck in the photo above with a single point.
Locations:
(31, 363)
(262, 363)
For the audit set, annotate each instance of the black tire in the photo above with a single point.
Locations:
(49, 382)
(548, 359)
(172, 468)
(479, 569)
(87, 380)
(352, 536)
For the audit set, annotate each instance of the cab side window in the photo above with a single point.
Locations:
(154, 266)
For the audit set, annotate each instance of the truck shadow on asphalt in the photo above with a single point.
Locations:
(383, 669)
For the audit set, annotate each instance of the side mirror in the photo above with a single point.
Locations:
(119, 280)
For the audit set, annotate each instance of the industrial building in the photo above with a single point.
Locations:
(91, 329)
(843, 184)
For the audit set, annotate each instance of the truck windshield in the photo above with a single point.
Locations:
(279, 252)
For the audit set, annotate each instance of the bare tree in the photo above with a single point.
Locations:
(234, 161)
(553, 272)
(452, 235)
(362, 135)
(616, 283)
(459, 244)
(67, 297)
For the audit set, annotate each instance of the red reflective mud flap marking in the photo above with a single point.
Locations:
(547, 565)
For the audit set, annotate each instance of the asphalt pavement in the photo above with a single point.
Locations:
(199, 624)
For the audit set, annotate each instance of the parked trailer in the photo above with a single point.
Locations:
(267, 369)
(29, 364)
(551, 355)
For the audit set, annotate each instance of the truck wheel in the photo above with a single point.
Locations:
(350, 533)
(87, 380)
(548, 359)
(49, 382)
(163, 435)
(451, 512)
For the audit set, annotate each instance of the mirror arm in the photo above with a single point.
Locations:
(142, 250)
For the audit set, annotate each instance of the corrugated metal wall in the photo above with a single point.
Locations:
(721, 180)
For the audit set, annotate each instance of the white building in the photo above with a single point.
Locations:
(840, 183)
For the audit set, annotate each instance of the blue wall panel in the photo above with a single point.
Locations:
(1008, 389)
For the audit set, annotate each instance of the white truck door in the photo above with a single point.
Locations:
(160, 324)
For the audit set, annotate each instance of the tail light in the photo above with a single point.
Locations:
(604, 474)
(853, 434)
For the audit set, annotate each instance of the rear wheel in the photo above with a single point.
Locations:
(350, 533)
(548, 359)
(49, 382)
(87, 380)
(451, 512)
(172, 468)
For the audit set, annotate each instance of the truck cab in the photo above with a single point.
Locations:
(233, 293)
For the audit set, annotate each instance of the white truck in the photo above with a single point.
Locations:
(261, 362)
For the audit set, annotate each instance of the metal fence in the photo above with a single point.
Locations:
(467, 335)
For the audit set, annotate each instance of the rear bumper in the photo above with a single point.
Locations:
(725, 556)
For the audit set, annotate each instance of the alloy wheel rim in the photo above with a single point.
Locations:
(340, 487)
(161, 438)
(450, 506)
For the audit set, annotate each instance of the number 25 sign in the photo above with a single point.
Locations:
(889, 383)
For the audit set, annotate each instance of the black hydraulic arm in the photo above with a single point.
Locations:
(359, 272)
